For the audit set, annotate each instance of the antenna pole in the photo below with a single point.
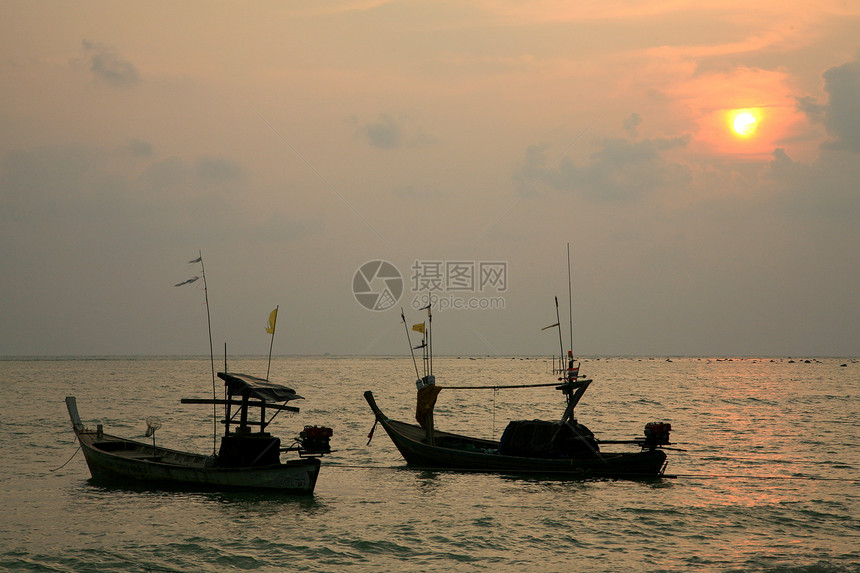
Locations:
(560, 343)
(569, 299)
(211, 353)
(430, 329)
(409, 342)
(424, 356)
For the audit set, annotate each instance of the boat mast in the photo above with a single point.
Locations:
(430, 330)
(560, 343)
(569, 300)
(409, 342)
(557, 369)
(211, 354)
(426, 384)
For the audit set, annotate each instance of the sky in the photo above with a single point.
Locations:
(327, 157)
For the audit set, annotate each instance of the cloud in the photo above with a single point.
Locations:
(631, 125)
(533, 169)
(216, 169)
(810, 106)
(79, 183)
(621, 170)
(824, 188)
(139, 148)
(173, 172)
(51, 183)
(165, 173)
(108, 66)
(388, 132)
(841, 114)
(385, 132)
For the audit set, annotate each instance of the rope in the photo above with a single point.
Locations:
(732, 476)
(495, 393)
(497, 387)
(665, 476)
(67, 461)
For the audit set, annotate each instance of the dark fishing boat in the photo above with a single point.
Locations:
(249, 456)
(562, 448)
(248, 459)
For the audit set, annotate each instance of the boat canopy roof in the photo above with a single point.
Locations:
(253, 387)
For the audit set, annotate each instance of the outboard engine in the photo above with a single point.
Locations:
(314, 441)
(657, 434)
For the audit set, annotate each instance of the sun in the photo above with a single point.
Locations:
(744, 124)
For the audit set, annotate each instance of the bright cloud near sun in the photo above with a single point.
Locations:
(744, 112)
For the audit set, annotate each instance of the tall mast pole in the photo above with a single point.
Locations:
(569, 297)
(560, 343)
(430, 330)
(211, 354)
(409, 342)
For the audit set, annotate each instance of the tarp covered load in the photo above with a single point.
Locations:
(542, 439)
(254, 387)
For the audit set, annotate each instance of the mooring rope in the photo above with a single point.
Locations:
(550, 472)
(496, 387)
(67, 461)
(733, 476)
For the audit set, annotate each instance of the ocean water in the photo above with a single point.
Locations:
(768, 482)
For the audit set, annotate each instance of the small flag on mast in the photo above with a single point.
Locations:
(273, 317)
(418, 327)
(189, 281)
(197, 260)
(550, 326)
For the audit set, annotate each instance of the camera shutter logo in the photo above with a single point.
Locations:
(377, 285)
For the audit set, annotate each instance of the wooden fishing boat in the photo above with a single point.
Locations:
(248, 459)
(562, 449)
(249, 456)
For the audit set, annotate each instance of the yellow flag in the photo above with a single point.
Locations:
(418, 327)
(273, 317)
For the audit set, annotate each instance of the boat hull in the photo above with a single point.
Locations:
(121, 461)
(463, 453)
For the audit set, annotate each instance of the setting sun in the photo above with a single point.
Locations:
(744, 124)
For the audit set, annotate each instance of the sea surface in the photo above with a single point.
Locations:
(768, 479)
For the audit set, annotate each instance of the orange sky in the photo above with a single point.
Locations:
(306, 139)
